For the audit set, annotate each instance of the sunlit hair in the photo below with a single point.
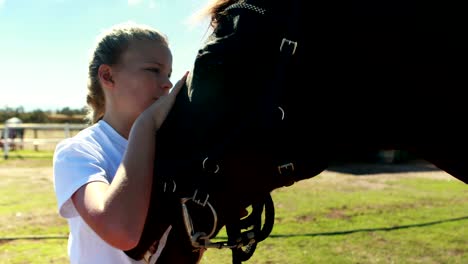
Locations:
(215, 9)
(110, 45)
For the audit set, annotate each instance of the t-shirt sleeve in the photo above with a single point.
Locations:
(75, 164)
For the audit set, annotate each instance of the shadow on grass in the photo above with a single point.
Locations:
(345, 232)
(379, 168)
(373, 229)
(16, 156)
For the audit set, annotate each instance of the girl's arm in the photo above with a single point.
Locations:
(117, 212)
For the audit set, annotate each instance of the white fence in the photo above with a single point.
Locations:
(8, 142)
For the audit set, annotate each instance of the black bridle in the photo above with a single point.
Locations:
(246, 242)
(243, 244)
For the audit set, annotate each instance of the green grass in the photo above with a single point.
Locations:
(28, 209)
(392, 220)
(27, 158)
(30, 154)
(332, 218)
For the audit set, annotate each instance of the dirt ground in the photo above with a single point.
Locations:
(42, 172)
(26, 169)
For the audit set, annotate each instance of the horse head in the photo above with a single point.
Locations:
(277, 91)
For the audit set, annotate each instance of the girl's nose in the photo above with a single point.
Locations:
(167, 86)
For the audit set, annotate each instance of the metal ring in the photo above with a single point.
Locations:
(203, 164)
(282, 112)
(188, 220)
(173, 189)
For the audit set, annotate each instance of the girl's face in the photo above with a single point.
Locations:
(142, 76)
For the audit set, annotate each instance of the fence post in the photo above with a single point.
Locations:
(36, 147)
(6, 143)
(67, 130)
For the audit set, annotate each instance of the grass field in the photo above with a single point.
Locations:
(416, 216)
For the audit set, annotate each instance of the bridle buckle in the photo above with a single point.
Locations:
(286, 166)
(289, 43)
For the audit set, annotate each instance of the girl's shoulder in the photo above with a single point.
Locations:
(88, 139)
(95, 140)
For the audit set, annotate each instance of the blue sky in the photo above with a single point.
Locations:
(45, 44)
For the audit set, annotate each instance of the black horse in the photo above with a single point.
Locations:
(280, 90)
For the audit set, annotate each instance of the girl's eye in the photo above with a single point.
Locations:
(155, 70)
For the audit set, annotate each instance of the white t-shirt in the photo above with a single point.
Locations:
(94, 154)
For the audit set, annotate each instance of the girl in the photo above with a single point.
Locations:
(103, 175)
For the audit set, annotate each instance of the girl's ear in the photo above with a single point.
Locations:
(105, 76)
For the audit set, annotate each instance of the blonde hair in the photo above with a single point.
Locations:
(110, 45)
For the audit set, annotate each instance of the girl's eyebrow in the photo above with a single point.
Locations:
(153, 62)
